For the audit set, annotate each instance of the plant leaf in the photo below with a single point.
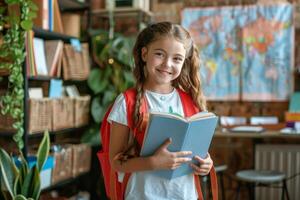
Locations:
(97, 109)
(11, 1)
(19, 197)
(17, 176)
(96, 82)
(91, 135)
(36, 185)
(7, 172)
(23, 171)
(26, 190)
(26, 24)
(108, 97)
(16, 184)
(43, 151)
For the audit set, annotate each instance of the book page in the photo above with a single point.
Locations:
(168, 115)
(197, 116)
(201, 115)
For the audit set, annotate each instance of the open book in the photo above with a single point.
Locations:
(188, 134)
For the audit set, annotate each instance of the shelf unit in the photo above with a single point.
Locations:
(65, 6)
(47, 35)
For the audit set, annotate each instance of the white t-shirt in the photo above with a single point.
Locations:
(143, 185)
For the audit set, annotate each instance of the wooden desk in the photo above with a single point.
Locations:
(237, 151)
(264, 134)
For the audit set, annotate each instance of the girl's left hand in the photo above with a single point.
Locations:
(204, 165)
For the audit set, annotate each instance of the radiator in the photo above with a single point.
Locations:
(285, 158)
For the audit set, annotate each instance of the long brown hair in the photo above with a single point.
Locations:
(189, 78)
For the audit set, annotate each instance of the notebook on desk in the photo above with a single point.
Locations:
(247, 129)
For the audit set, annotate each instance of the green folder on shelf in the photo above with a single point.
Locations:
(187, 134)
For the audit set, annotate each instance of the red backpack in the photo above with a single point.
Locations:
(116, 190)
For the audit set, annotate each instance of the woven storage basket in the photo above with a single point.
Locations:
(81, 159)
(3, 72)
(63, 165)
(40, 111)
(6, 122)
(63, 113)
(76, 65)
(81, 108)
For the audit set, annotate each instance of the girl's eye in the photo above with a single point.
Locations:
(159, 54)
(178, 59)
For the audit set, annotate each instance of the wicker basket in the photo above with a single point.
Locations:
(40, 112)
(63, 113)
(6, 123)
(81, 159)
(76, 65)
(81, 108)
(3, 72)
(63, 165)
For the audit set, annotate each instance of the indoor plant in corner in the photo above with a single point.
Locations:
(22, 182)
(112, 76)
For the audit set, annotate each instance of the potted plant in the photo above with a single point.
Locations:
(112, 76)
(22, 182)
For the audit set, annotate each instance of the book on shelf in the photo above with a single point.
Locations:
(187, 134)
(54, 52)
(39, 56)
(72, 91)
(57, 20)
(35, 93)
(48, 16)
(56, 88)
(42, 19)
(30, 62)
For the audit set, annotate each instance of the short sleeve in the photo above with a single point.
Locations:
(118, 112)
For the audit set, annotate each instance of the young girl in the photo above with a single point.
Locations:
(165, 60)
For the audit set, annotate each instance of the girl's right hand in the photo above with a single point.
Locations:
(164, 159)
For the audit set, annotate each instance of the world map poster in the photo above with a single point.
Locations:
(246, 52)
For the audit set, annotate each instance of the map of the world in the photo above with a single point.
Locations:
(246, 52)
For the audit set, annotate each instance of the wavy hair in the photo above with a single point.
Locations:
(189, 78)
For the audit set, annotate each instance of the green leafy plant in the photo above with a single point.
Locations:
(18, 183)
(15, 19)
(113, 76)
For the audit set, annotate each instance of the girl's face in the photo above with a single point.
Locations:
(164, 59)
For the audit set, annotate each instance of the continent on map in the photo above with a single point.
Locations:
(259, 34)
(202, 28)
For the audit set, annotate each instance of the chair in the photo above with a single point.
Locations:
(220, 174)
(265, 178)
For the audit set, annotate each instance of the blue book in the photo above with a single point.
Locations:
(56, 88)
(187, 134)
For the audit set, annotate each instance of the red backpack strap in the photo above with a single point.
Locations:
(189, 108)
(198, 187)
(188, 105)
(213, 183)
(130, 99)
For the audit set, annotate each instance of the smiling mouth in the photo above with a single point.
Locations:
(163, 71)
